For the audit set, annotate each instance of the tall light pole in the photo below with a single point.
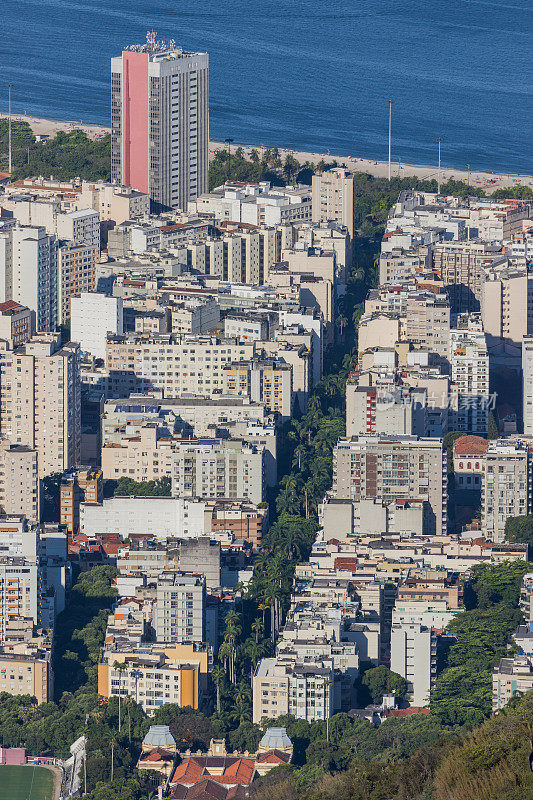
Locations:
(10, 168)
(390, 102)
(438, 140)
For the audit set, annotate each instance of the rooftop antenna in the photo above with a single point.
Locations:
(150, 38)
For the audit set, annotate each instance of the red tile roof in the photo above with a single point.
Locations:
(469, 446)
(9, 305)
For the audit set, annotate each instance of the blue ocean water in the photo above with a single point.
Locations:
(304, 74)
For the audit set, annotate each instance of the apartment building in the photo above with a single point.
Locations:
(507, 305)
(332, 198)
(174, 365)
(20, 487)
(195, 317)
(76, 274)
(511, 675)
(526, 597)
(213, 468)
(390, 468)
(414, 657)
(16, 323)
(113, 203)
(461, 266)
(262, 380)
(40, 400)
(93, 316)
(20, 592)
(155, 675)
(256, 203)
(303, 690)
(160, 517)
(506, 485)
(179, 611)
(147, 456)
(469, 365)
(243, 520)
(29, 271)
(385, 410)
(78, 485)
(160, 122)
(26, 661)
(527, 384)
(192, 415)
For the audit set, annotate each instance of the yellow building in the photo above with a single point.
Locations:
(176, 674)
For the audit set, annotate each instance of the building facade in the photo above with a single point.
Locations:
(160, 122)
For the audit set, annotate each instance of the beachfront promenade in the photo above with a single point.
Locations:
(488, 181)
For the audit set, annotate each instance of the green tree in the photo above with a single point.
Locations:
(381, 680)
(519, 529)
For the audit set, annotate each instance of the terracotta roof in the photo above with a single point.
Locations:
(189, 771)
(9, 305)
(470, 445)
(273, 757)
(406, 712)
(157, 755)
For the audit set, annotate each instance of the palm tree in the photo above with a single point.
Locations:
(113, 745)
(341, 322)
(218, 677)
(121, 667)
(299, 453)
(257, 627)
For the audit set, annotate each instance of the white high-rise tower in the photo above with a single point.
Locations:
(160, 122)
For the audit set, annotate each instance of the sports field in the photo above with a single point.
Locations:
(25, 783)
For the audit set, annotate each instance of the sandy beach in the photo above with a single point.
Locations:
(488, 181)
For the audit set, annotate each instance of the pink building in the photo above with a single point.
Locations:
(160, 122)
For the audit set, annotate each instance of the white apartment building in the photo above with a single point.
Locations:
(257, 203)
(195, 317)
(179, 611)
(20, 591)
(219, 468)
(304, 690)
(113, 203)
(28, 272)
(332, 198)
(511, 675)
(19, 481)
(385, 409)
(93, 316)
(175, 365)
(526, 597)
(247, 327)
(160, 122)
(413, 656)
(194, 415)
(527, 384)
(161, 517)
(40, 403)
(469, 364)
(506, 485)
(387, 468)
(428, 613)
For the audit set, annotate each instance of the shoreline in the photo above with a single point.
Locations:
(479, 179)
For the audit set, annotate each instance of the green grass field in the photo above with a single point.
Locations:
(25, 783)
